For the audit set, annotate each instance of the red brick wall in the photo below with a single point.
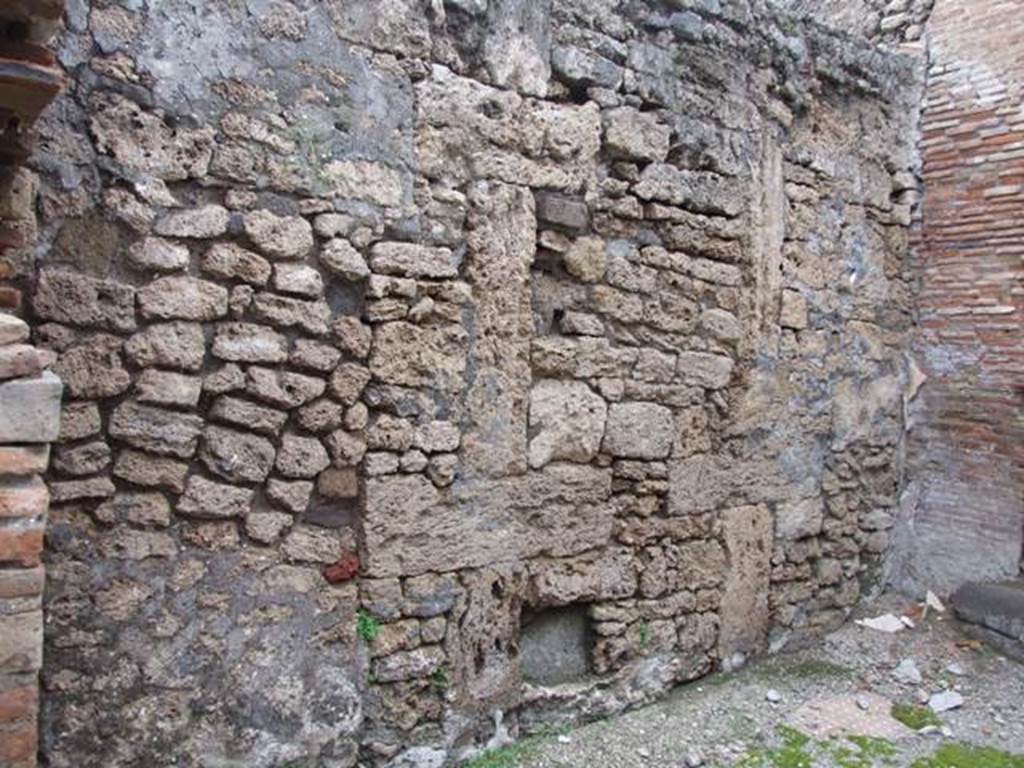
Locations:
(966, 516)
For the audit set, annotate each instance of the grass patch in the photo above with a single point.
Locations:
(968, 756)
(798, 750)
(811, 669)
(518, 754)
(914, 716)
(367, 627)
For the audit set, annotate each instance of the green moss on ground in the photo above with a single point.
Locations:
(798, 750)
(915, 716)
(968, 756)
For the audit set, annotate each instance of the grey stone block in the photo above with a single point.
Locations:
(30, 409)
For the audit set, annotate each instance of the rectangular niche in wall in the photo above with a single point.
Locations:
(554, 645)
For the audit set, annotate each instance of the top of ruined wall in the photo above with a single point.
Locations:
(888, 22)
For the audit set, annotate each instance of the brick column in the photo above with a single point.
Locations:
(965, 513)
(29, 419)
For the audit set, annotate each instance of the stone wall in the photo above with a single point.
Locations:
(396, 335)
(887, 22)
(963, 515)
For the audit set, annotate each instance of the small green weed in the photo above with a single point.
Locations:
(367, 627)
(439, 679)
(645, 634)
(914, 716)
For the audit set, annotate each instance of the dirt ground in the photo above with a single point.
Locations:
(747, 718)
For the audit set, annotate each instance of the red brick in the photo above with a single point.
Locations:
(23, 497)
(21, 544)
(24, 459)
(19, 703)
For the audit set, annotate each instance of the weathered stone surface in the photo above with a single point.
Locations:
(249, 343)
(313, 545)
(299, 279)
(232, 262)
(287, 312)
(159, 255)
(82, 459)
(699, 191)
(280, 237)
(167, 433)
(267, 527)
(151, 471)
(340, 258)
(338, 484)
(463, 137)
(412, 260)
(78, 420)
(13, 330)
(292, 495)
(19, 360)
(706, 370)
(282, 388)
(206, 499)
(799, 519)
(411, 529)
(69, 297)
(78, 490)
(361, 180)
(143, 143)
(408, 665)
(586, 259)
(176, 345)
(30, 409)
(166, 388)
(183, 298)
(562, 211)
(301, 457)
(567, 421)
(314, 355)
(199, 223)
(744, 610)
(346, 449)
(412, 356)
(240, 457)
(93, 367)
(242, 413)
(348, 382)
(323, 415)
(636, 135)
(354, 337)
(146, 509)
(639, 430)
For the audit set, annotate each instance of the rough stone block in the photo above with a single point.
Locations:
(13, 330)
(567, 421)
(183, 298)
(206, 499)
(19, 360)
(156, 430)
(76, 299)
(639, 431)
(744, 609)
(30, 409)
